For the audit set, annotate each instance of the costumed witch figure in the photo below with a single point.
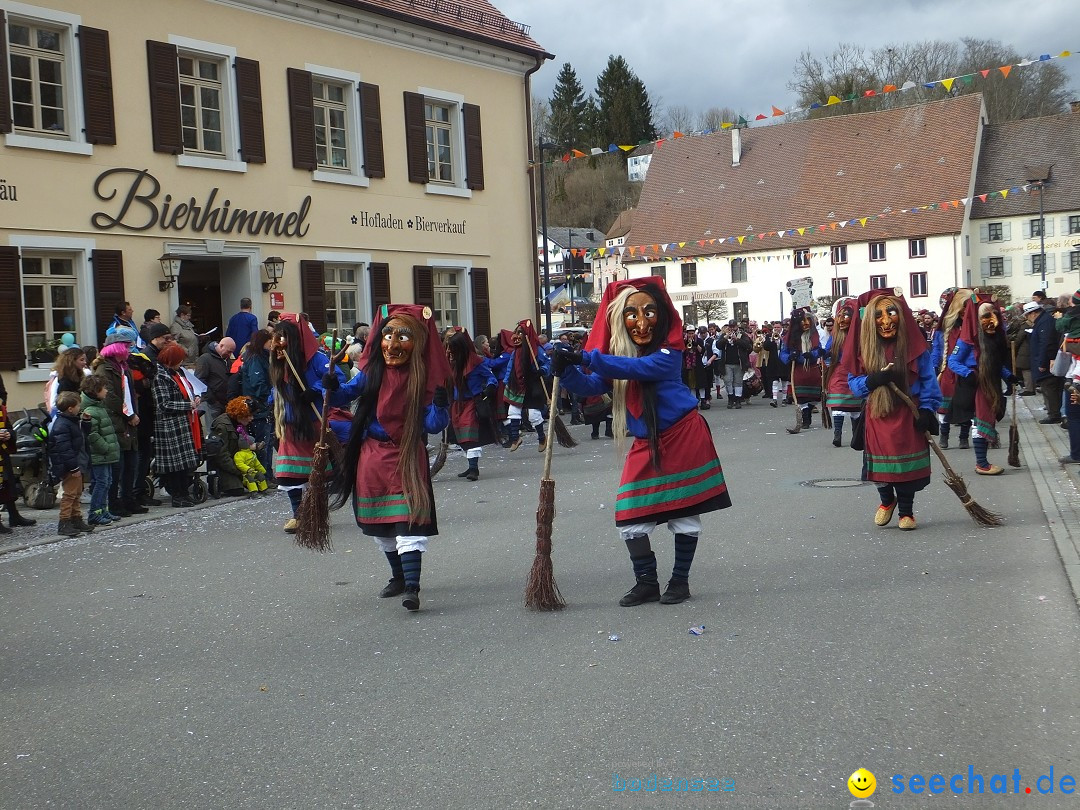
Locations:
(802, 346)
(524, 387)
(671, 474)
(838, 397)
(471, 412)
(883, 346)
(980, 362)
(952, 301)
(298, 403)
(384, 472)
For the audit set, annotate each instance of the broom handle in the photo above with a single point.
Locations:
(1012, 350)
(324, 416)
(303, 387)
(536, 365)
(794, 398)
(915, 412)
(552, 415)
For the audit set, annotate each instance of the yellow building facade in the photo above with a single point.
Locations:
(161, 152)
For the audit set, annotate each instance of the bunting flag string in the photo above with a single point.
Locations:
(666, 250)
(948, 83)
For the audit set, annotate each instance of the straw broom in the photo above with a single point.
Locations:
(331, 438)
(440, 457)
(955, 481)
(541, 591)
(314, 513)
(795, 400)
(556, 427)
(826, 416)
(1014, 431)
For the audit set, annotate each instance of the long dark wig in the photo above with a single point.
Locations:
(290, 408)
(460, 350)
(623, 346)
(415, 483)
(993, 355)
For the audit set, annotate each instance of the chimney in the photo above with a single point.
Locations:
(1074, 106)
(736, 146)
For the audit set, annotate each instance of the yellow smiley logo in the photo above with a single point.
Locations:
(862, 784)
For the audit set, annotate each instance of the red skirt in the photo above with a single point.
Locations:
(381, 507)
(896, 450)
(838, 397)
(807, 383)
(690, 480)
(470, 429)
(292, 463)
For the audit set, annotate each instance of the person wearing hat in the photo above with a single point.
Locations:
(952, 301)
(122, 404)
(838, 397)
(802, 352)
(1044, 347)
(144, 368)
(672, 474)
(384, 473)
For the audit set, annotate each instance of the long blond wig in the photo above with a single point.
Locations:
(872, 354)
(621, 346)
(951, 320)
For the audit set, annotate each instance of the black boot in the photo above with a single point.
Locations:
(395, 587)
(607, 430)
(678, 590)
(642, 592)
(411, 600)
(806, 417)
(647, 587)
(4, 529)
(16, 519)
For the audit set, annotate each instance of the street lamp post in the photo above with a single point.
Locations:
(1042, 238)
(570, 275)
(544, 235)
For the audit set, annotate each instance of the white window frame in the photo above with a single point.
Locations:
(80, 251)
(922, 277)
(743, 275)
(991, 236)
(884, 285)
(683, 274)
(354, 176)
(802, 258)
(913, 243)
(880, 258)
(464, 271)
(838, 254)
(362, 263)
(73, 142)
(1000, 267)
(840, 286)
(1073, 223)
(457, 142)
(230, 124)
(1074, 261)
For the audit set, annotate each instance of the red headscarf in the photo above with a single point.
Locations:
(390, 410)
(600, 335)
(523, 358)
(309, 341)
(851, 360)
(473, 359)
(799, 315)
(969, 329)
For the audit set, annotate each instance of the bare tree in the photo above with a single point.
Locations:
(677, 118)
(713, 117)
(541, 116)
(709, 310)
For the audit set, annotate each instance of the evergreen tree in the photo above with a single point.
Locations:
(624, 112)
(568, 120)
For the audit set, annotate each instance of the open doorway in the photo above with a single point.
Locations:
(199, 286)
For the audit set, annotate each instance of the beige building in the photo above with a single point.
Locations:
(162, 152)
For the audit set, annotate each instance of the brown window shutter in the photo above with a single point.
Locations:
(12, 349)
(97, 85)
(481, 302)
(250, 108)
(302, 120)
(371, 124)
(164, 97)
(313, 293)
(5, 79)
(379, 273)
(415, 138)
(474, 147)
(108, 286)
(423, 285)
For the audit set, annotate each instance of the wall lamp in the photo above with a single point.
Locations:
(275, 269)
(170, 270)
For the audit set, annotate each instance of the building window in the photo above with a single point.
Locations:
(1038, 263)
(689, 274)
(839, 287)
(802, 257)
(994, 232)
(1074, 224)
(877, 251)
(1036, 227)
(440, 150)
(689, 316)
(201, 116)
(342, 297)
(1074, 261)
(917, 248)
(447, 298)
(331, 124)
(918, 285)
(49, 288)
(878, 282)
(660, 271)
(738, 271)
(839, 254)
(997, 267)
(38, 95)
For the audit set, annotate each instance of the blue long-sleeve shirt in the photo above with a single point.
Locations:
(924, 387)
(542, 360)
(807, 358)
(673, 399)
(937, 349)
(962, 361)
(341, 397)
(475, 382)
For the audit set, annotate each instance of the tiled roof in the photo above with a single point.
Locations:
(813, 172)
(621, 225)
(475, 19)
(561, 237)
(1012, 146)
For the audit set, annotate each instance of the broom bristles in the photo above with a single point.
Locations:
(541, 591)
(1014, 446)
(314, 514)
(562, 434)
(980, 514)
(440, 459)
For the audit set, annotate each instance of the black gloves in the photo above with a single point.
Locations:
(489, 392)
(927, 422)
(564, 356)
(1013, 379)
(330, 381)
(877, 379)
(313, 395)
(440, 399)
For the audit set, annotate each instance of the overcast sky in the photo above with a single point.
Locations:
(708, 53)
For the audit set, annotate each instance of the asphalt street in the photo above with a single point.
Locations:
(201, 660)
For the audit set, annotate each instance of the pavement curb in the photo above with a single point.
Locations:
(1057, 485)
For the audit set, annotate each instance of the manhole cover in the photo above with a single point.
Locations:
(834, 482)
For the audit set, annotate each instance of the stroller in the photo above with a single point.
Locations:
(30, 461)
(204, 481)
